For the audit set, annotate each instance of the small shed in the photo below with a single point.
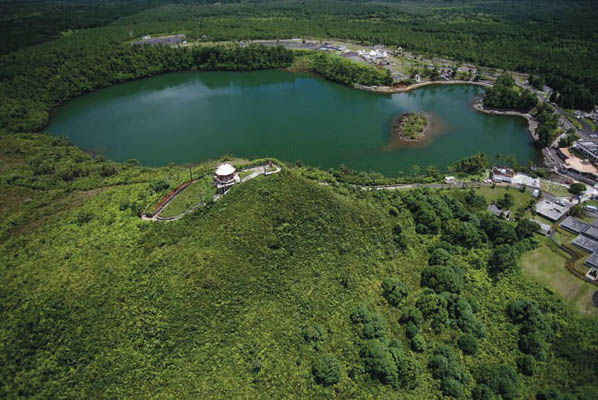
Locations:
(545, 229)
(498, 212)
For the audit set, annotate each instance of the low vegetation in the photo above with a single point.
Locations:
(410, 126)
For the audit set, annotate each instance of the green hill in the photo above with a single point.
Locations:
(283, 288)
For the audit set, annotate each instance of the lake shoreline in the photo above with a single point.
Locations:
(532, 124)
(405, 89)
(478, 105)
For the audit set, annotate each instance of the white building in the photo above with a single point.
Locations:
(225, 176)
(374, 56)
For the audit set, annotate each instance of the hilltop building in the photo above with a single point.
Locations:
(225, 176)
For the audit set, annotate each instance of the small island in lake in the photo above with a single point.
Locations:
(410, 127)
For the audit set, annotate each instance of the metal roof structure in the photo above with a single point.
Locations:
(586, 244)
(592, 260)
(551, 210)
(574, 225)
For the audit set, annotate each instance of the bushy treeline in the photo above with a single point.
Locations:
(547, 129)
(504, 96)
(349, 72)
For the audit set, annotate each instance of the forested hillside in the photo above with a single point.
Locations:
(283, 288)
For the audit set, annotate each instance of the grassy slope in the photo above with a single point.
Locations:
(546, 264)
(202, 190)
(213, 305)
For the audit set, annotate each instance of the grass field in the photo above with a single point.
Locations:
(546, 265)
(554, 189)
(493, 195)
(563, 237)
(202, 190)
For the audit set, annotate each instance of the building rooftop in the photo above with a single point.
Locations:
(592, 232)
(586, 244)
(574, 225)
(592, 260)
(225, 169)
(551, 210)
(590, 146)
(498, 212)
(544, 228)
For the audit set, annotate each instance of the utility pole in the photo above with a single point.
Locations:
(190, 173)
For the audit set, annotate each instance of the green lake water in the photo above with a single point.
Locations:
(195, 116)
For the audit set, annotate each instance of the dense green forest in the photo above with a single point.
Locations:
(283, 288)
(505, 95)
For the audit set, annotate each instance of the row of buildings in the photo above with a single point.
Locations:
(586, 240)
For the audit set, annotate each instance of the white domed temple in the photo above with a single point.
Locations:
(225, 176)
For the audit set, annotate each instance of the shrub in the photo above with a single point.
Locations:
(312, 333)
(468, 344)
(159, 186)
(443, 278)
(412, 316)
(370, 324)
(482, 392)
(452, 387)
(533, 344)
(394, 291)
(526, 228)
(439, 257)
(388, 363)
(84, 217)
(108, 170)
(504, 259)
(502, 380)
(326, 370)
(418, 343)
(41, 167)
(577, 188)
(398, 236)
(526, 364)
